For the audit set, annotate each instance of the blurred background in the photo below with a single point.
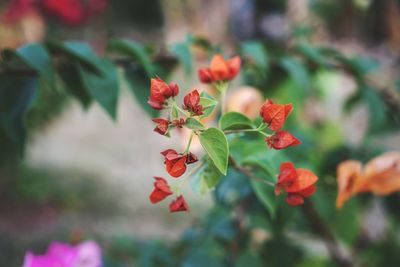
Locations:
(84, 175)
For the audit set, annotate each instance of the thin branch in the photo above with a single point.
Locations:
(322, 230)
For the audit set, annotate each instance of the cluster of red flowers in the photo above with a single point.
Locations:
(275, 115)
(297, 183)
(71, 12)
(162, 96)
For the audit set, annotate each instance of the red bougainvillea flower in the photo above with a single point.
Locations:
(298, 183)
(281, 140)
(275, 115)
(178, 123)
(162, 126)
(161, 190)
(160, 92)
(191, 102)
(175, 163)
(69, 11)
(16, 10)
(220, 69)
(179, 204)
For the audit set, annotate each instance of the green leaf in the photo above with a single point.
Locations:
(73, 82)
(376, 108)
(35, 56)
(256, 52)
(249, 258)
(182, 52)
(135, 51)
(206, 178)
(194, 124)
(139, 85)
(297, 71)
(234, 121)
(215, 144)
(104, 89)
(77, 52)
(208, 103)
(17, 95)
(312, 53)
(174, 112)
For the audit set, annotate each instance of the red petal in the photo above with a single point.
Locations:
(205, 76)
(281, 140)
(178, 205)
(305, 178)
(294, 199)
(177, 168)
(234, 67)
(308, 192)
(219, 69)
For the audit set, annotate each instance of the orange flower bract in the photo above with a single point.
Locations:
(220, 69)
(380, 176)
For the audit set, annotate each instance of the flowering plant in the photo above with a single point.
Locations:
(298, 183)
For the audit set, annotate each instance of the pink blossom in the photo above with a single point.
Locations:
(85, 254)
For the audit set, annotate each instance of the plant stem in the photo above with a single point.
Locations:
(322, 230)
(189, 143)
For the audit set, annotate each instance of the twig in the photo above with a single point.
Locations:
(320, 229)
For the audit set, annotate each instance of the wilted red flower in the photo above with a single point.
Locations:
(298, 183)
(175, 163)
(191, 102)
(220, 69)
(160, 92)
(178, 123)
(281, 140)
(275, 115)
(162, 126)
(161, 190)
(179, 204)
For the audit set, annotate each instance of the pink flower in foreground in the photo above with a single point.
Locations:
(86, 254)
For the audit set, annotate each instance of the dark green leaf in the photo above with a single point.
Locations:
(215, 144)
(73, 82)
(104, 89)
(77, 52)
(16, 96)
(234, 121)
(133, 50)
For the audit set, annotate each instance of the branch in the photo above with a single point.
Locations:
(321, 229)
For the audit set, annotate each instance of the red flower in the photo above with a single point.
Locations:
(160, 92)
(275, 115)
(178, 123)
(162, 126)
(220, 69)
(281, 140)
(191, 102)
(175, 163)
(69, 11)
(16, 10)
(161, 190)
(178, 205)
(298, 183)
